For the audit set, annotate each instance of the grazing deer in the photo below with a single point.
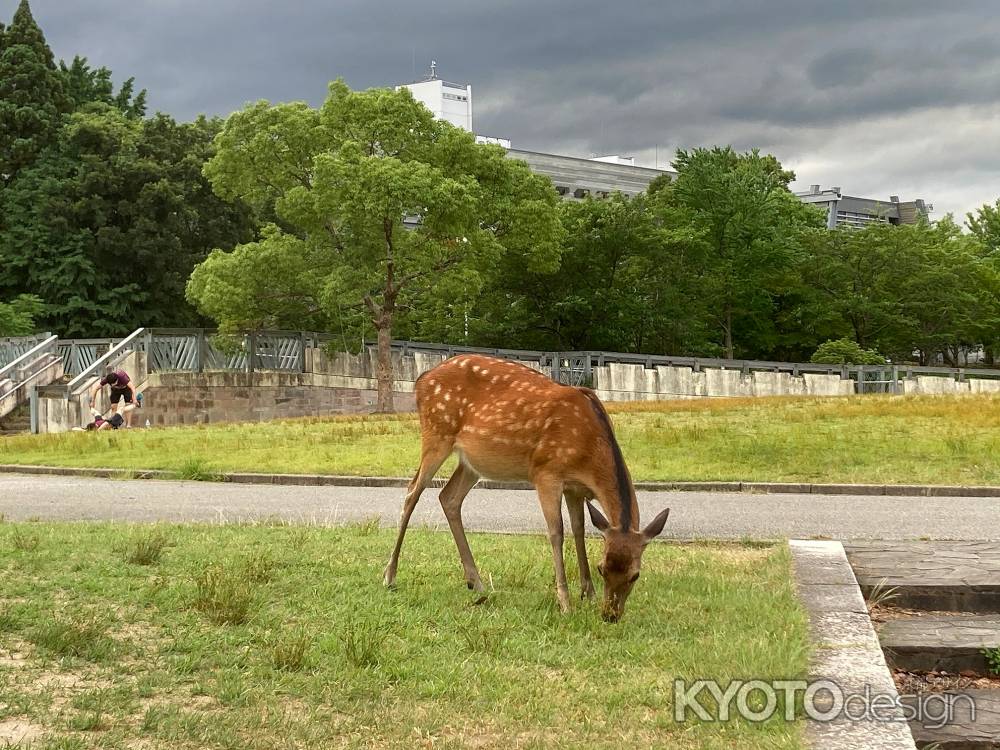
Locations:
(509, 422)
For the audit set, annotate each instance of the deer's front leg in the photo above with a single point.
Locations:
(574, 503)
(550, 497)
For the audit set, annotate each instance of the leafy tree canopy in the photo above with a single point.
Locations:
(33, 98)
(17, 318)
(379, 210)
(845, 352)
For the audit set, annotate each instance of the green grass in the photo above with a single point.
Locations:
(884, 440)
(96, 652)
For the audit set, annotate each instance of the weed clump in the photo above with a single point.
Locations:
(146, 548)
(85, 637)
(289, 651)
(224, 594)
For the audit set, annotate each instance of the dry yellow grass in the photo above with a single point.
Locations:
(880, 439)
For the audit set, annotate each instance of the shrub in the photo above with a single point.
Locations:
(845, 352)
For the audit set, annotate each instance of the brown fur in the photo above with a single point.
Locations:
(509, 422)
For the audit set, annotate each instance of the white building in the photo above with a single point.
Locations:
(600, 176)
(448, 101)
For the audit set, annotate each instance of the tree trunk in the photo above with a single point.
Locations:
(728, 331)
(383, 364)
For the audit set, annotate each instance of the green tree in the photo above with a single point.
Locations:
(854, 278)
(380, 207)
(614, 288)
(745, 227)
(949, 299)
(17, 318)
(985, 226)
(108, 223)
(84, 85)
(845, 352)
(33, 99)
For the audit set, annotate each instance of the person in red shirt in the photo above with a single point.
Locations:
(122, 389)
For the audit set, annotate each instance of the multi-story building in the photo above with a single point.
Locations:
(851, 211)
(600, 176)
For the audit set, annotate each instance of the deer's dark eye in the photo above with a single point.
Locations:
(634, 578)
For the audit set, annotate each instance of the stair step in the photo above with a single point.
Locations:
(941, 576)
(974, 720)
(943, 644)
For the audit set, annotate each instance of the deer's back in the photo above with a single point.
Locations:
(506, 420)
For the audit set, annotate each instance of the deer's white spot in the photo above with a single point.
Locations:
(437, 389)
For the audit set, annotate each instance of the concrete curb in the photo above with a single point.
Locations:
(846, 651)
(352, 481)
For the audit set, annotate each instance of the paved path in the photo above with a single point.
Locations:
(693, 514)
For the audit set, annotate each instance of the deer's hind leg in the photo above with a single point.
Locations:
(433, 454)
(452, 496)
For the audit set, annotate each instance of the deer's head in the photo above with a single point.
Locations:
(622, 559)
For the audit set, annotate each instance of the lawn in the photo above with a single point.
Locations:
(283, 636)
(871, 439)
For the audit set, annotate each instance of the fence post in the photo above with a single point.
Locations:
(302, 351)
(895, 380)
(199, 350)
(251, 350)
(148, 345)
(861, 379)
(33, 407)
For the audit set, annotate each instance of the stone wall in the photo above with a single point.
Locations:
(211, 397)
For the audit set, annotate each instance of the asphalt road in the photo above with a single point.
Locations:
(693, 514)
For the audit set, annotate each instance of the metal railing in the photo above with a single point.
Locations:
(14, 347)
(196, 350)
(114, 355)
(79, 354)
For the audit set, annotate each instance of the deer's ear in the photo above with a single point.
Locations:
(656, 525)
(597, 519)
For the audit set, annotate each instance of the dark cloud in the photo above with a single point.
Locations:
(895, 97)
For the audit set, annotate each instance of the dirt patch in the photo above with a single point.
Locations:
(881, 613)
(19, 731)
(12, 659)
(912, 683)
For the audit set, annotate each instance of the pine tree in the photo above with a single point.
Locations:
(32, 95)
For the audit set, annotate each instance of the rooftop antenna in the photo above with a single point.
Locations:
(434, 66)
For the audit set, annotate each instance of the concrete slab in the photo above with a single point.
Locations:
(974, 720)
(846, 653)
(945, 644)
(947, 576)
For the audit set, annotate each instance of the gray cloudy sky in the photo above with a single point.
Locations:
(885, 97)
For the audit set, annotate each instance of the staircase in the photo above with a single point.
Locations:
(40, 365)
(16, 422)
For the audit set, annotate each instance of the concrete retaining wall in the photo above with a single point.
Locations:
(620, 382)
(928, 384)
